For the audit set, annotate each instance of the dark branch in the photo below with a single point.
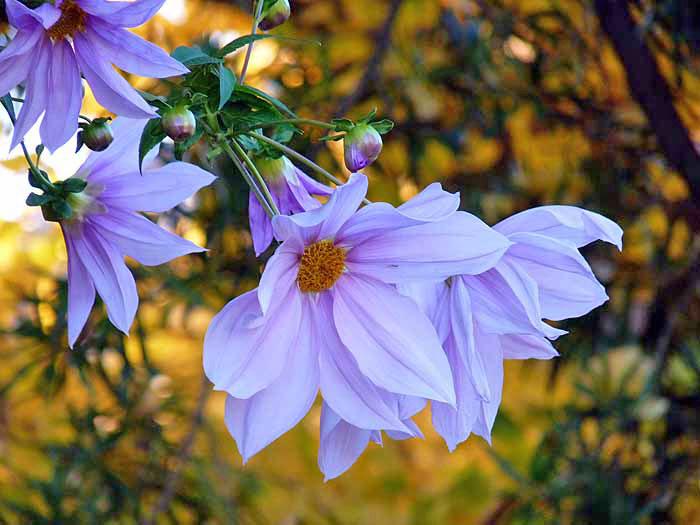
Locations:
(650, 90)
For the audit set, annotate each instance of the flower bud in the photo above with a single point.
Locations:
(179, 123)
(98, 135)
(362, 146)
(277, 15)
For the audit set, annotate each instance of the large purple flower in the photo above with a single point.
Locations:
(105, 226)
(57, 42)
(483, 319)
(292, 190)
(327, 313)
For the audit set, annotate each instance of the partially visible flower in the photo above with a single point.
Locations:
(292, 191)
(483, 319)
(179, 123)
(58, 42)
(361, 146)
(327, 313)
(277, 15)
(98, 135)
(105, 226)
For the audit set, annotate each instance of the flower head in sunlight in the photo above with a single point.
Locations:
(292, 191)
(327, 314)
(105, 226)
(58, 42)
(483, 319)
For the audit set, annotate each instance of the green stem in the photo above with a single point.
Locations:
(251, 166)
(298, 156)
(249, 51)
(251, 183)
(272, 123)
(32, 167)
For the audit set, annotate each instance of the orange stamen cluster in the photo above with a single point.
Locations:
(322, 263)
(72, 20)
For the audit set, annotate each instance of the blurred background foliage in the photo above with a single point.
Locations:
(515, 103)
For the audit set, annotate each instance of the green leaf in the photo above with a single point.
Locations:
(194, 56)
(6, 101)
(343, 124)
(38, 200)
(271, 100)
(227, 81)
(79, 141)
(152, 135)
(383, 126)
(62, 209)
(245, 40)
(369, 116)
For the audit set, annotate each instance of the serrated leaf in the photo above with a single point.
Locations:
(227, 81)
(6, 101)
(383, 126)
(193, 56)
(152, 135)
(245, 40)
(264, 96)
(34, 199)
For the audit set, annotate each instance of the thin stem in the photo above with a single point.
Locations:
(272, 123)
(298, 156)
(251, 166)
(249, 51)
(32, 167)
(248, 178)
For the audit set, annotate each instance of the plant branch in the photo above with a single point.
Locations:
(249, 51)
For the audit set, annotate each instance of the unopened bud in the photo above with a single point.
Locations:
(277, 15)
(98, 135)
(179, 123)
(362, 146)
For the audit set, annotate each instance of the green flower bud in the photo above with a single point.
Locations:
(277, 15)
(362, 145)
(179, 123)
(98, 135)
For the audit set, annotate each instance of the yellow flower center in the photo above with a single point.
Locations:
(322, 263)
(72, 20)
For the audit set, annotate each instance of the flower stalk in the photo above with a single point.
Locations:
(249, 51)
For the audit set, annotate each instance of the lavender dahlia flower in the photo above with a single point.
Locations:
(327, 314)
(58, 42)
(105, 226)
(292, 191)
(483, 319)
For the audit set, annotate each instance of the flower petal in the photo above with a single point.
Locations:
(121, 156)
(134, 235)
(37, 93)
(132, 53)
(259, 420)
(14, 64)
(454, 423)
(156, 190)
(394, 343)
(344, 387)
(110, 275)
(565, 223)
(124, 14)
(432, 204)
(81, 291)
(108, 86)
(340, 445)
(61, 119)
(245, 352)
(21, 17)
(260, 225)
(566, 284)
(460, 244)
(492, 354)
(324, 222)
(527, 347)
